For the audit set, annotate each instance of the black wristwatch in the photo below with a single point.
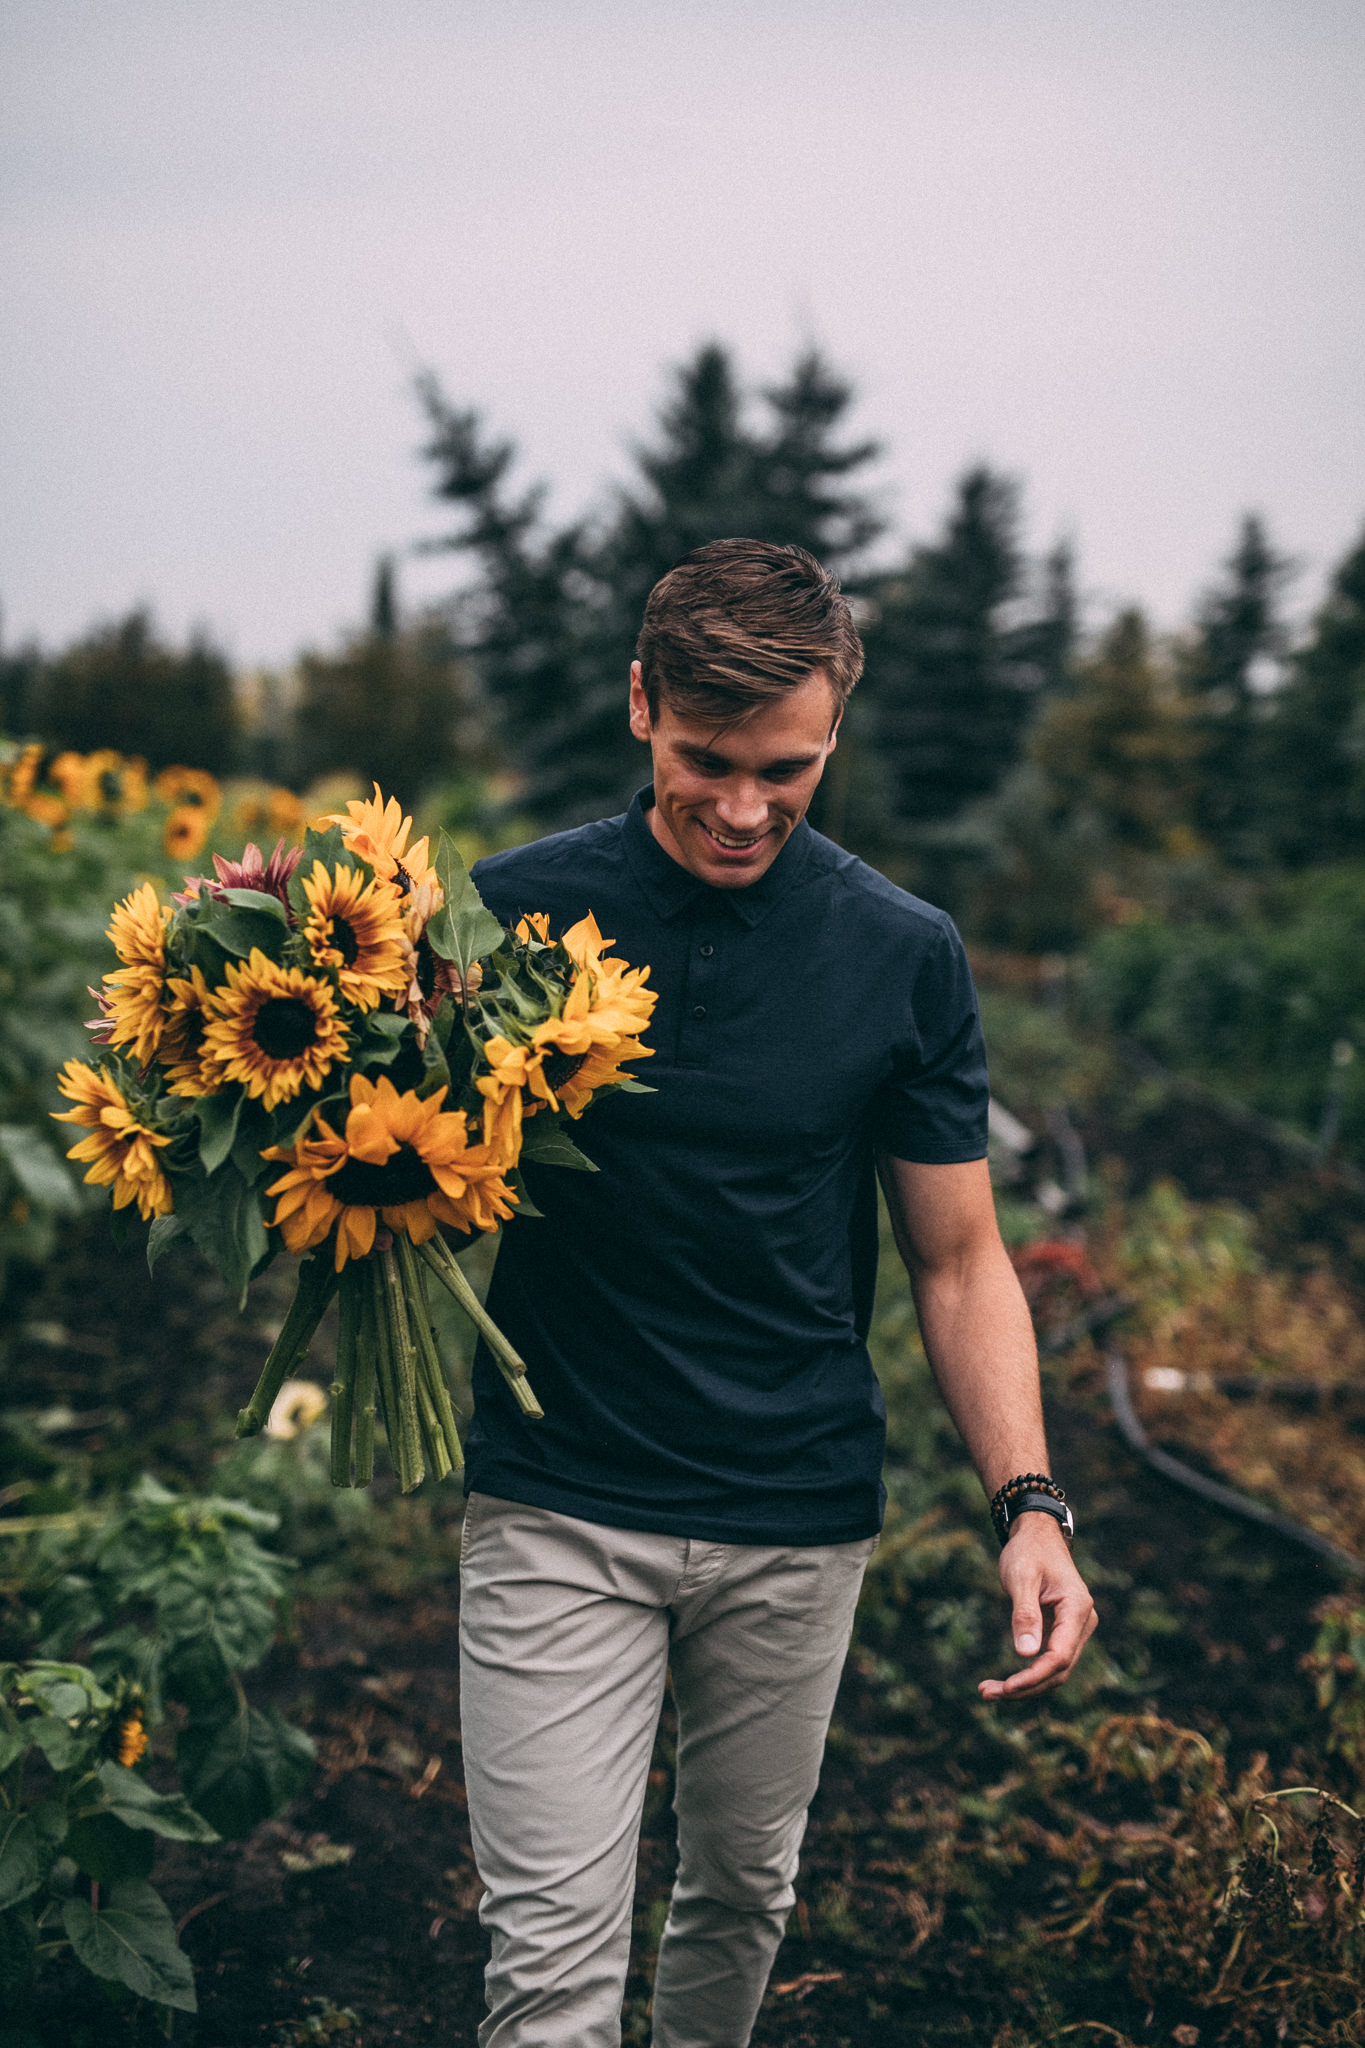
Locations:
(1031, 1503)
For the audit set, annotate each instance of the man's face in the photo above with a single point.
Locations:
(727, 797)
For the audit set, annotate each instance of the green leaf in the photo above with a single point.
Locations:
(628, 1085)
(382, 1039)
(223, 1216)
(13, 1740)
(132, 1939)
(105, 1848)
(525, 1206)
(330, 848)
(38, 1170)
(552, 1146)
(21, 1862)
(217, 1115)
(65, 1689)
(259, 900)
(59, 1742)
(241, 1769)
(464, 930)
(135, 1803)
(162, 1235)
(239, 930)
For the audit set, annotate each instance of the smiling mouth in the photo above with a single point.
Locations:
(731, 844)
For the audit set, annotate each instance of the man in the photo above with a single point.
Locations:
(704, 1491)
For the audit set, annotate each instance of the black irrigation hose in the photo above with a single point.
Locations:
(1225, 1497)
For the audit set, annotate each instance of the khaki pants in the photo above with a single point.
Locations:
(567, 1631)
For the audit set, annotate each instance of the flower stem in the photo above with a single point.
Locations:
(444, 1264)
(428, 1358)
(317, 1284)
(385, 1390)
(343, 1386)
(406, 1440)
(367, 1343)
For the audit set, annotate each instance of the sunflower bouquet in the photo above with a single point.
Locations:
(332, 1053)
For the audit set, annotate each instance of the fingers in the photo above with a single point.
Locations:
(1073, 1622)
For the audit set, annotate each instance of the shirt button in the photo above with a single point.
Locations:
(707, 950)
(699, 1011)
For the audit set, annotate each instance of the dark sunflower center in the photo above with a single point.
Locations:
(345, 941)
(426, 969)
(285, 1027)
(190, 1032)
(560, 1068)
(404, 1178)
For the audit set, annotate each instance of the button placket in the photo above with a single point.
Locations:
(698, 1000)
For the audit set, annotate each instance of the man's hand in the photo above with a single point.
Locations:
(1054, 1616)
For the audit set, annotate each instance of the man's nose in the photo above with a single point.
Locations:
(742, 806)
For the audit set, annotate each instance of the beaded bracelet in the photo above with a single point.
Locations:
(1026, 1482)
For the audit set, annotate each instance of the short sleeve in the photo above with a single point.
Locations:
(932, 1107)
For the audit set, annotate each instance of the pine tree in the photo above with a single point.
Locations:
(123, 688)
(1315, 739)
(1237, 646)
(952, 688)
(1117, 750)
(393, 706)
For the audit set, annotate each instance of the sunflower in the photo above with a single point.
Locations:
(20, 774)
(616, 982)
(274, 1029)
(135, 992)
(187, 829)
(378, 833)
(401, 1158)
(189, 1071)
(138, 930)
(121, 1148)
(565, 1060)
(77, 777)
(355, 930)
(535, 925)
(179, 788)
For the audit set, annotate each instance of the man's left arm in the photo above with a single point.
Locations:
(978, 1335)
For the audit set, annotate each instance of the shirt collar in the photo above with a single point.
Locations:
(670, 888)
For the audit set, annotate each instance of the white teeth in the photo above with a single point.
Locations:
(734, 844)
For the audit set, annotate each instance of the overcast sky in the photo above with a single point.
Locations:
(1114, 247)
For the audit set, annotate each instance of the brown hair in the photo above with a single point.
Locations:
(737, 622)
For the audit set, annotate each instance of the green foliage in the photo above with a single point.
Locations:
(77, 1831)
(174, 1598)
(1255, 1007)
(1337, 1663)
(55, 900)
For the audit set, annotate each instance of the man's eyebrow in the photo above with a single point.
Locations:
(708, 754)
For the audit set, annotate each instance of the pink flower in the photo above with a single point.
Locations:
(271, 877)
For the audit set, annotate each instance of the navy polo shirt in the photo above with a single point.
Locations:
(693, 1316)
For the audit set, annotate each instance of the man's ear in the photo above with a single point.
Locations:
(639, 705)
